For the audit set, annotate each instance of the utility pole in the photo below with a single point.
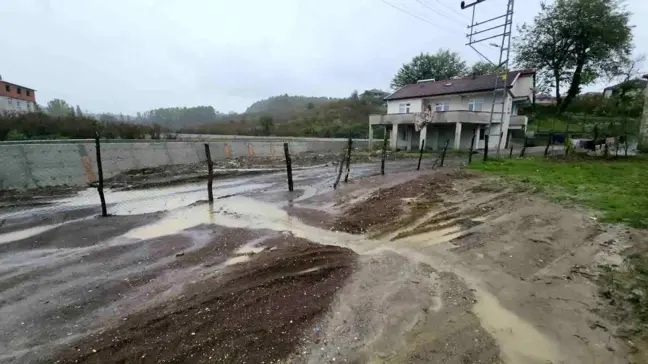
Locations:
(499, 26)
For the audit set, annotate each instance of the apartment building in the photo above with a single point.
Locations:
(16, 98)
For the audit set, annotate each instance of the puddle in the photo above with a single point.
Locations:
(519, 341)
(435, 237)
(23, 234)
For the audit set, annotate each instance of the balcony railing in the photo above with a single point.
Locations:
(458, 116)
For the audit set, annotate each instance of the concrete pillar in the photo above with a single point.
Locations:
(422, 136)
(477, 136)
(370, 137)
(457, 138)
(408, 136)
(393, 141)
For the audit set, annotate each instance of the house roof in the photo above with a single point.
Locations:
(16, 85)
(634, 83)
(457, 86)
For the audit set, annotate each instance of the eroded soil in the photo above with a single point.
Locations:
(412, 267)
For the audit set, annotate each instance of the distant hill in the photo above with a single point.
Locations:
(285, 104)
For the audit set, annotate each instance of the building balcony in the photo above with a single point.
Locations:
(447, 117)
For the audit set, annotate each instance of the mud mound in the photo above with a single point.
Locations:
(388, 208)
(257, 311)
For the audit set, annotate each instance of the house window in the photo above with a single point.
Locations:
(7, 88)
(28, 92)
(482, 132)
(476, 105)
(28, 106)
(18, 90)
(18, 105)
(442, 106)
(10, 101)
(403, 108)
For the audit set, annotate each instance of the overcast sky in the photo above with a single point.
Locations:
(135, 55)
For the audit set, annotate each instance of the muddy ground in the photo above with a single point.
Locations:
(411, 267)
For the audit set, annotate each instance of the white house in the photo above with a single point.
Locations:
(456, 109)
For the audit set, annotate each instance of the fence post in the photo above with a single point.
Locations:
(418, 168)
(511, 152)
(104, 211)
(210, 173)
(339, 174)
(472, 146)
(486, 137)
(524, 145)
(499, 143)
(444, 151)
(348, 160)
(548, 144)
(288, 167)
(384, 151)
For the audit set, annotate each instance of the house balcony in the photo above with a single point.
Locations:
(449, 117)
(444, 117)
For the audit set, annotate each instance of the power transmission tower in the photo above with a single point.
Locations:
(496, 28)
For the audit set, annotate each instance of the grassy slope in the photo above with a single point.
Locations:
(620, 190)
(617, 188)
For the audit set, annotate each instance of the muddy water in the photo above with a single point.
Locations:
(519, 341)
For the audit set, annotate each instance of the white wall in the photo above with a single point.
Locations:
(16, 105)
(415, 105)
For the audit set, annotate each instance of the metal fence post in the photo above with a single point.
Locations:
(210, 171)
(472, 146)
(418, 168)
(348, 160)
(444, 152)
(384, 151)
(104, 211)
(288, 167)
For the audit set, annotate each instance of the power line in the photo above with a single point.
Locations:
(413, 15)
(461, 16)
(427, 5)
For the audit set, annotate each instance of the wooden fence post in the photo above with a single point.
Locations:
(210, 173)
(288, 167)
(486, 137)
(511, 152)
(384, 151)
(444, 152)
(418, 168)
(104, 210)
(348, 160)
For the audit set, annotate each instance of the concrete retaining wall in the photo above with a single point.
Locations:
(33, 164)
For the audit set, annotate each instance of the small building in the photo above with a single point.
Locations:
(630, 87)
(455, 110)
(544, 99)
(16, 98)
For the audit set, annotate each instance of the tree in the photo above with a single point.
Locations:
(483, 68)
(267, 124)
(354, 95)
(58, 108)
(78, 111)
(442, 65)
(574, 42)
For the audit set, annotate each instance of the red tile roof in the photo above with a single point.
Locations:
(458, 86)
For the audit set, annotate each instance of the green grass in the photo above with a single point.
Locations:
(618, 188)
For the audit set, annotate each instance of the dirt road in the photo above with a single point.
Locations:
(413, 267)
